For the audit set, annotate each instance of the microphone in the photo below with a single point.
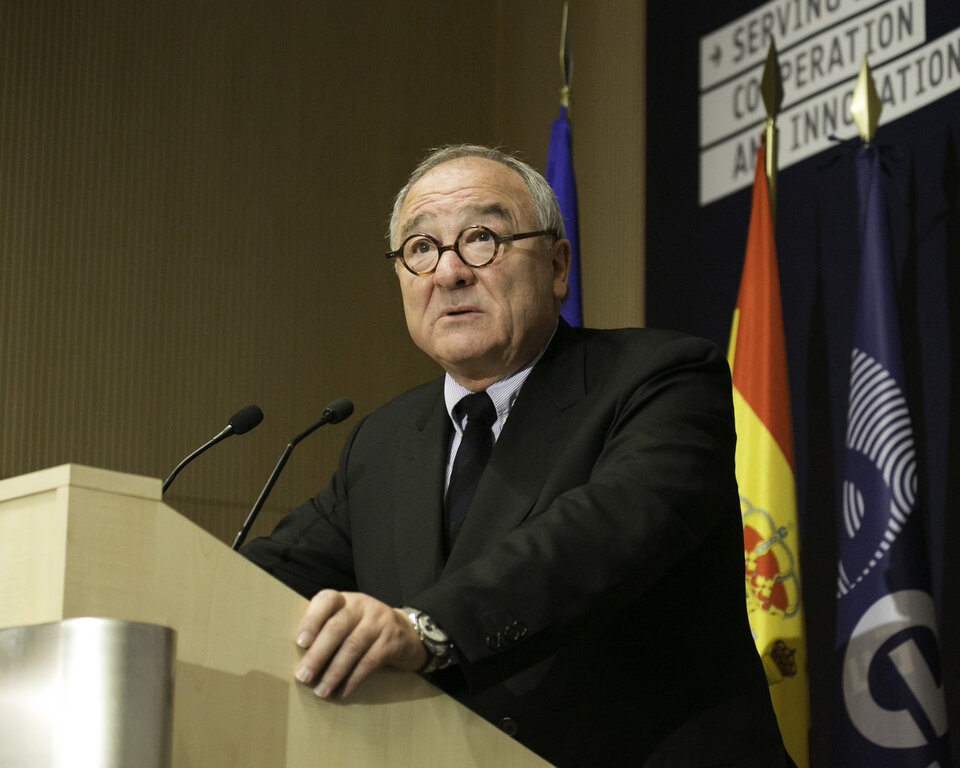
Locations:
(334, 413)
(242, 421)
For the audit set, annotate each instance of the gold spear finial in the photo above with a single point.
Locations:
(771, 84)
(771, 89)
(566, 60)
(866, 106)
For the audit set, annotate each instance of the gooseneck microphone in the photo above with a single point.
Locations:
(334, 413)
(242, 421)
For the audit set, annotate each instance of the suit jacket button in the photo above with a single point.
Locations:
(515, 631)
(493, 642)
(509, 726)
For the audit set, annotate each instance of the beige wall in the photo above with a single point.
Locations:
(192, 205)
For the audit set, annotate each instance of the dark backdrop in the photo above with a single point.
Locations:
(694, 258)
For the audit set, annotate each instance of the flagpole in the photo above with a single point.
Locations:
(566, 60)
(771, 89)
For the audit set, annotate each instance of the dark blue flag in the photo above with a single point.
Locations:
(560, 177)
(892, 710)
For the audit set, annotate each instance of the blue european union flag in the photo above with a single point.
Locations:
(892, 709)
(561, 179)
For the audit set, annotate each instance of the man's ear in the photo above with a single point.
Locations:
(560, 254)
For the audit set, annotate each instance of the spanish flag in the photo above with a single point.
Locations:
(765, 474)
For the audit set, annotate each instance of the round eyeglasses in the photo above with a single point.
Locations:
(476, 246)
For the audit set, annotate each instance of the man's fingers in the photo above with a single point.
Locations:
(357, 657)
(337, 630)
(321, 631)
(326, 646)
(323, 605)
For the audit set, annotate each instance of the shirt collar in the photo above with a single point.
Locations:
(504, 393)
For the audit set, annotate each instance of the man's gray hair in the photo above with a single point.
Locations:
(545, 206)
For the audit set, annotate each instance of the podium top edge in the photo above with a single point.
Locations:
(80, 476)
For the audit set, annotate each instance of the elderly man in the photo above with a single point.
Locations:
(552, 529)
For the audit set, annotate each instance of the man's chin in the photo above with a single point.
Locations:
(465, 356)
(462, 357)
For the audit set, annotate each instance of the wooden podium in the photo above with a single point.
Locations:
(77, 541)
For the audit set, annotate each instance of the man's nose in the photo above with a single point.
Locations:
(451, 271)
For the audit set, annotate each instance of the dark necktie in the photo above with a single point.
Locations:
(471, 458)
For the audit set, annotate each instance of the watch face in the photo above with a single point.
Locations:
(433, 637)
(430, 629)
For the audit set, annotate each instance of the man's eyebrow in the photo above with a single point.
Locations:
(492, 209)
(488, 209)
(414, 224)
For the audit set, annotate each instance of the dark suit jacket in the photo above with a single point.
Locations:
(595, 592)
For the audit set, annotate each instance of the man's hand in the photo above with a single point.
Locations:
(347, 635)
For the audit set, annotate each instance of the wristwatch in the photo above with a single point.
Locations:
(440, 650)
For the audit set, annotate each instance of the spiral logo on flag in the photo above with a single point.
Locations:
(881, 469)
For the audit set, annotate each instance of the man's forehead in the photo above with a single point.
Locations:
(471, 186)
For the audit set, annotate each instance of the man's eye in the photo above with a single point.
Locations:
(420, 246)
(478, 236)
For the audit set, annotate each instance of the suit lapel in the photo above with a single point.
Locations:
(540, 421)
(418, 483)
